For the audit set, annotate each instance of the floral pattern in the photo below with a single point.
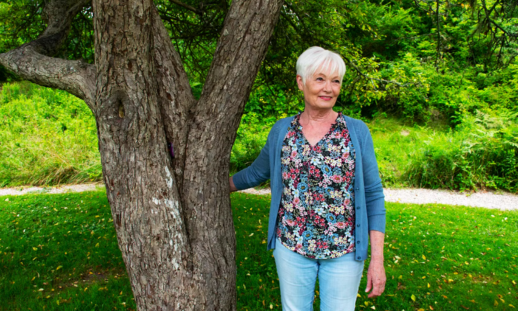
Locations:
(316, 216)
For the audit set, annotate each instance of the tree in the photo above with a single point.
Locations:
(172, 214)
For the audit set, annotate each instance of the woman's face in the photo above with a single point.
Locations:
(321, 90)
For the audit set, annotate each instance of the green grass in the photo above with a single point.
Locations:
(59, 252)
(62, 249)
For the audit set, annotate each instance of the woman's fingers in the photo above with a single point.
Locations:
(376, 279)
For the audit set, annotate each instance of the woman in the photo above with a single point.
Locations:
(327, 196)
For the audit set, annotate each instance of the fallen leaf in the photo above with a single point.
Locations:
(413, 297)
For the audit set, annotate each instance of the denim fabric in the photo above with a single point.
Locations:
(339, 279)
(369, 199)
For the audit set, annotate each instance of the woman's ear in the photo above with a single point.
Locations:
(300, 83)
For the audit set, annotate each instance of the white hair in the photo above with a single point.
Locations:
(316, 57)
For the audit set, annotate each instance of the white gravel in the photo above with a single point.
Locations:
(59, 189)
(502, 201)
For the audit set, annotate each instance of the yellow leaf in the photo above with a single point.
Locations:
(496, 303)
(59, 268)
(514, 282)
(420, 309)
(424, 257)
(512, 306)
(413, 297)
(271, 306)
(97, 245)
(35, 248)
(251, 234)
(428, 285)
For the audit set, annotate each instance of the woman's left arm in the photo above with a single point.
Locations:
(376, 275)
(375, 203)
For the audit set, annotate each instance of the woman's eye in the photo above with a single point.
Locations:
(336, 81)
(320, 79)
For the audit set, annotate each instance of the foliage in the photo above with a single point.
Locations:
(46, 137)
(59, 252)
(483, 153)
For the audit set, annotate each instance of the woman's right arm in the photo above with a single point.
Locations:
(231, 183)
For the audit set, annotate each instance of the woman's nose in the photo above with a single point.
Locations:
(327, 86)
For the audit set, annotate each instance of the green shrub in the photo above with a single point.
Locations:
(483, 153)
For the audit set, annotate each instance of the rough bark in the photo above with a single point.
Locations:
(172, 216)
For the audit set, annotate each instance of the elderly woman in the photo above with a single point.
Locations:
(327, 197)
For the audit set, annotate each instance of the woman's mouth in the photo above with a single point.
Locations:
(325, 97)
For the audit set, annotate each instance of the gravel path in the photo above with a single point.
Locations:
(505, 201)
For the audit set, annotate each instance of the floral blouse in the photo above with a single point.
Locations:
(316, 216)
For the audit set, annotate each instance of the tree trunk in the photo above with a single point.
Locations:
(172, 215)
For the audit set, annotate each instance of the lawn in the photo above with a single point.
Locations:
(59, 252)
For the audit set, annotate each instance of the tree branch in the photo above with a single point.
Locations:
(32, 61)
(186, 6)
(75, 77)
(175, 94)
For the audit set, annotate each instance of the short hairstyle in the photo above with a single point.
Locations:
(315, 57)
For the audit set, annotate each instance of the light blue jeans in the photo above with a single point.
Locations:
(339, 280)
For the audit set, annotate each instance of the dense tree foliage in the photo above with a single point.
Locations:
(419, 59)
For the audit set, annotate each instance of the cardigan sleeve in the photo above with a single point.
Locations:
(374, 198)
(258, 171)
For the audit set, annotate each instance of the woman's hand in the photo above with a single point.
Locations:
(376, 275)
(376, 278)
(231, 184)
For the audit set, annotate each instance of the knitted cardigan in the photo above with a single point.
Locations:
(369, 198)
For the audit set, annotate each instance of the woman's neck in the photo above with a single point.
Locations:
(313, 117)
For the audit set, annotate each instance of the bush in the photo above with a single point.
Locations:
(483, 153)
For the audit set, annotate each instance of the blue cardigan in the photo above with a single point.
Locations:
(369, 198)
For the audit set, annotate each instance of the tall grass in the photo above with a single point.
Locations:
(47, 137)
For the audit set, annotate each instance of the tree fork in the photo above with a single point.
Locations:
(173, 217)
